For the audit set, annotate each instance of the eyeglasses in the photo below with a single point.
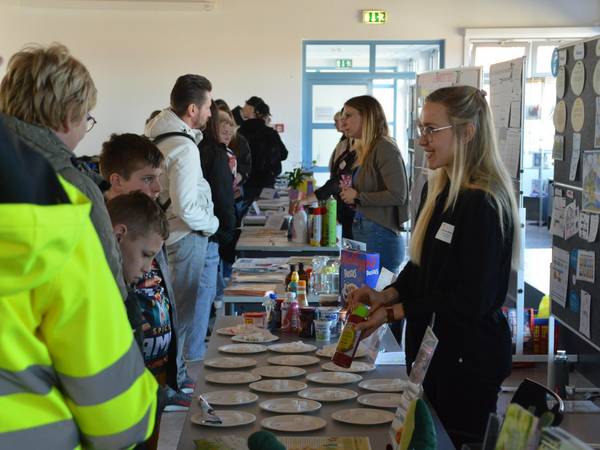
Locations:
(427, 132)
(90, 123)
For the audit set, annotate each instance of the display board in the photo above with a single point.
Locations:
(576, 202)
(428, 82)
(506, 103)
(506, 97)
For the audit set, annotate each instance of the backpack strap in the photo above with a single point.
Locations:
(161, 137)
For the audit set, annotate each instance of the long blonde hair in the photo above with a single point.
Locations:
(476, 165)
(374, 127)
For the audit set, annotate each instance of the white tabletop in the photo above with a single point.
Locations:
(377, 434)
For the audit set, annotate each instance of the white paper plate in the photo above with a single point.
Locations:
(279, 371)
(229, 398)
(256, 337)
(230, 418)
(380, 400)
(363, 416)
(232, 377)
(294, 423)
(294, 360)
(240, 329)
(328, 394)
(333, 377)
(383, 384)
(292, 347)
(328, 350)
(242, 348)
(356, 367)
(229, 362)
(278, 386)
(290, 405)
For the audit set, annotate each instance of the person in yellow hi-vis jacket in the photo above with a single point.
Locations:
(71, 375)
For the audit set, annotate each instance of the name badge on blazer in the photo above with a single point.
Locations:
(445, 233)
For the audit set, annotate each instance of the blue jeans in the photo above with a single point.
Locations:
(193, 262)
(388, 244)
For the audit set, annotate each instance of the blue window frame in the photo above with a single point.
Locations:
(331, 63)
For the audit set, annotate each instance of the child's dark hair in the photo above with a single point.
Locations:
(139, 213)
(126, 153)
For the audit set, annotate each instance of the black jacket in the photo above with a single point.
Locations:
(464, 283)
(215, 168)
(267, 152)
(243, 155)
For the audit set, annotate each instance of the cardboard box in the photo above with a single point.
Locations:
(357, 269)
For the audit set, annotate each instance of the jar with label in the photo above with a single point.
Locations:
(307, 324)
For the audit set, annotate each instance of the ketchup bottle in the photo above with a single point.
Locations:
(350, 338)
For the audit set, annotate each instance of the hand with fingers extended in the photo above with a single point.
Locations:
(367, 296)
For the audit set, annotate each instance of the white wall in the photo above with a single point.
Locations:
(246, 47)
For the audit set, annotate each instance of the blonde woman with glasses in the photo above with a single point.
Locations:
(462, 249)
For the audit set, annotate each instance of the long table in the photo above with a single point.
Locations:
(378, 435)
(258, 242)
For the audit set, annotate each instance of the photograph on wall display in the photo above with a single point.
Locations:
(591, 181)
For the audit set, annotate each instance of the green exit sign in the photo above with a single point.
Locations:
(376, 17)
(343, 63)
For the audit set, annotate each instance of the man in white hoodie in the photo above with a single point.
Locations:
(186, 197)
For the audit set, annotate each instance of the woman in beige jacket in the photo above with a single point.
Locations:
(379, 189)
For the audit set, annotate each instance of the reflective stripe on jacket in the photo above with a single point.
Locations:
(71, 375)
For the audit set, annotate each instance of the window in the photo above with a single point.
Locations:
(333, 72)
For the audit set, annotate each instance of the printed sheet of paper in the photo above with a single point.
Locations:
(584, 225)
(515, 114)
(559, 276)
(590, 169)
(571, 220)
(594, 220)
(575, 156)
(501, 90)
(557, 224)
(586, 265)
(558, 148)
(510, 151)
(585, 313)
(385, 279)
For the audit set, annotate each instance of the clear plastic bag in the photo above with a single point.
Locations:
(372, 343)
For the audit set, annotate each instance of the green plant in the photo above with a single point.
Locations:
(295, 177)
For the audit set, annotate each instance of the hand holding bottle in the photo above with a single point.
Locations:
(367, 296)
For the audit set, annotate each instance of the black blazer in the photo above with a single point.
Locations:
(267, 152)
(464, 282)
(215, 168)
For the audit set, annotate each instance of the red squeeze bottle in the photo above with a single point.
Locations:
(350, 338)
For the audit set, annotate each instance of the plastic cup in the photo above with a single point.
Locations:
(323, 330)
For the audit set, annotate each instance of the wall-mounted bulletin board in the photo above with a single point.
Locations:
(576, 204)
